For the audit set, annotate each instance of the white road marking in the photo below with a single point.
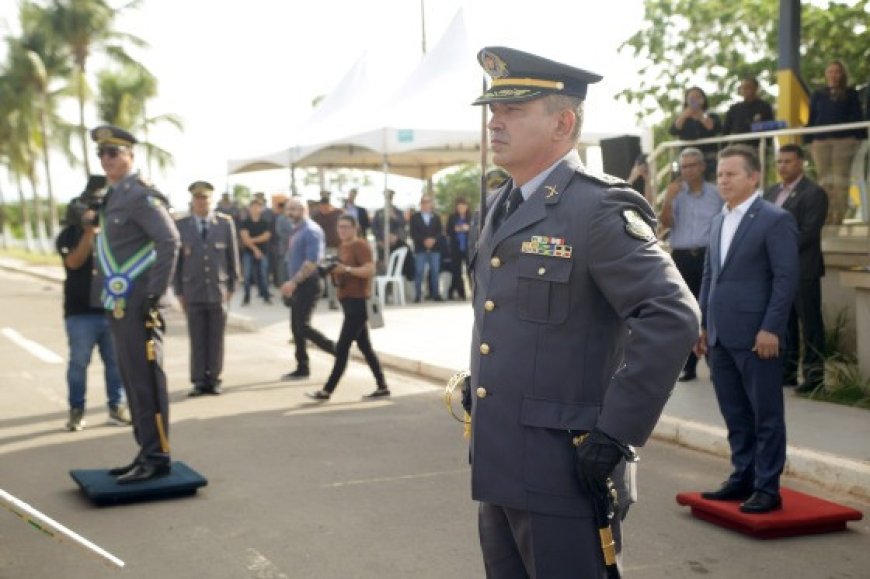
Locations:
(261, 568)
(34, 348)
(366, 481)
(318, 408)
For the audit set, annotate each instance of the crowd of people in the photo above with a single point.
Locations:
(832, 152)
(567, 262)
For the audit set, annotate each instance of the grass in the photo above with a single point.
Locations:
(31, 257)
(844, 383)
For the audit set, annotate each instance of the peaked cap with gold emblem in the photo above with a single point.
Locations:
(111, 135)
(519, 76)
(200, 188)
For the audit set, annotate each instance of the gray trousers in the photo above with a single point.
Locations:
(145, 398)
(205, 327)
(519, 544)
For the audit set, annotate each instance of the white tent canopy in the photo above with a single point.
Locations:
(423, 126)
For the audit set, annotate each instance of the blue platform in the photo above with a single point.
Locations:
(102, 489)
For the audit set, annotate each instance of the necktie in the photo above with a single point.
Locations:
(514, 200)
(783, 195)
(203, 228)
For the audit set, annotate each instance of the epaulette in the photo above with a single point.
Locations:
(220, 215)
(603, 178)
(156, 198)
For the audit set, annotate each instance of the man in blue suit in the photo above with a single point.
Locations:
(750, 279)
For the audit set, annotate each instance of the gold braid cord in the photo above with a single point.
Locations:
(456, 383)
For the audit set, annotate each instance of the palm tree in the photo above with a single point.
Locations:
(83, 27)
(36, 60)
(123, 96)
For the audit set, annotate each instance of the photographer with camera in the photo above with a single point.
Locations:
(352, 271)
(86, 326)
(306, 249)
(696, 122)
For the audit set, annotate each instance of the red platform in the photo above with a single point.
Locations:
(801, 514)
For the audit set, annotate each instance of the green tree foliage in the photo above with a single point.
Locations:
(463, 182)
(713, 43)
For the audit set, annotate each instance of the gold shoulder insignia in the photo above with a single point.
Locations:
(636, 226)
(153, 201)
(603, 179)
(220, 215)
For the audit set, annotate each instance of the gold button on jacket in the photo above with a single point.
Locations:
(481, 392)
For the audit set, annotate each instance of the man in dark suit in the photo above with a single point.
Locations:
(426, 229)
(808, 204)
(359, 213)
(750, 279)
(566, 263)
(206, 274)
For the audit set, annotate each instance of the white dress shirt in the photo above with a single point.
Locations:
(732, 220)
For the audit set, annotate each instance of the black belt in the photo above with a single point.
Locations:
(694, 251)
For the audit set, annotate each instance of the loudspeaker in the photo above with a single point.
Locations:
(618, 155)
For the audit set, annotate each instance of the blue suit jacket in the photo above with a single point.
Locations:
(753, 290)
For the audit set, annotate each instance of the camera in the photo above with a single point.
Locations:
(90, 199)
(327, 264)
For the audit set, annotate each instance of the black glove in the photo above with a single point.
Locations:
(466, 394)
(150, 311)
(597, 456)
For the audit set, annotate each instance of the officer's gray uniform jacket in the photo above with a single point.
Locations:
(207, 270)
(565, 344)
(134, 214)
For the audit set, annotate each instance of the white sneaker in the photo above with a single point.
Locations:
(76, 420)
(120, 415)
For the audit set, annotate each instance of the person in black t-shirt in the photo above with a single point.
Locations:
(255, 233)
(752, 109)
(86, 326)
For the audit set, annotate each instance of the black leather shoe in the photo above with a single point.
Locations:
(687, 377)
(378, 393)
(319, 395)
(119, 470)
(214, 390)
(761, 502)
(143, 472)
(297, 374)
(728, 492)
(196, 391)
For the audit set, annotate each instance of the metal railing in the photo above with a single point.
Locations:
(859, 173)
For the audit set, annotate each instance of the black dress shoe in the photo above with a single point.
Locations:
(297, 374)
(119, 470)
(761, 502)
(144, 472)
(319, 395)
(378, 393)
(687, 377)
(214, 390)
(196, 391)
(728, 492)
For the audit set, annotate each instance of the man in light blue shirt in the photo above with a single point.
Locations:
(689, 208)
(306, 248)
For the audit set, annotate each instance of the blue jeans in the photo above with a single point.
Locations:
(84, 331)
(261, 273)
(433, 260)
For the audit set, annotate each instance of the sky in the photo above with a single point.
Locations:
(242, 75)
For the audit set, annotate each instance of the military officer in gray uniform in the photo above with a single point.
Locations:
(581, 326)
(205, 278)
(136, 250)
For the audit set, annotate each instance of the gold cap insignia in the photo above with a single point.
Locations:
(494, 66)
